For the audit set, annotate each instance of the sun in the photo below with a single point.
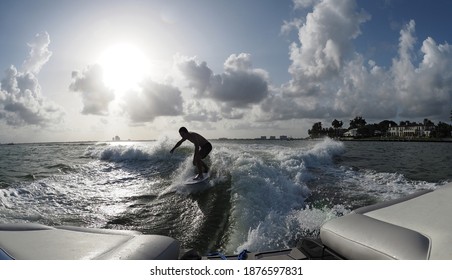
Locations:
(124, 66)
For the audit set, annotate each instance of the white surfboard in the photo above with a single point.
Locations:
(192, 181)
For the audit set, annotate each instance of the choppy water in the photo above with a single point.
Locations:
(262, 195)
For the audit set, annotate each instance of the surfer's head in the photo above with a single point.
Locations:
(183, 131)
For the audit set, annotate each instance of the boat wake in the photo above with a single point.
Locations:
(261, 195)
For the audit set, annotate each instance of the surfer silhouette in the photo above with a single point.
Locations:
(202, 149)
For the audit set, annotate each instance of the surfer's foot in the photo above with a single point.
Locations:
(198, 177)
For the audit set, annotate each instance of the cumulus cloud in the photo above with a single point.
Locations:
(330, 79)
(325, 42)
(153, 100)
(424, 89)
(291, 25)
(324, 64)
(239, 86)
(39, 53)
(150, 100)
(21, 101)
(201, 112)
(301, 4)
(96, 96)
(197, 74)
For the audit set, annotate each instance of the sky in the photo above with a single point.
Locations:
(90, 70)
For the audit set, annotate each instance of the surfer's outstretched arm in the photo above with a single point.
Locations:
(178, 144)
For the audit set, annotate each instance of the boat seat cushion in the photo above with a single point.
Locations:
(418, 226)
(360, 237)
(39, 242)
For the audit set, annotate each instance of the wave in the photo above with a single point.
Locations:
(265, 183)
(269, 183)
(62, 168)
(280, 194)
(130, 151)
(380, 185)
(260, 195)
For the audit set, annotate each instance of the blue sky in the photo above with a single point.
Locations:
(90, 70)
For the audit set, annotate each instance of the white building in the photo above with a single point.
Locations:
(351, 133)
(411, 130)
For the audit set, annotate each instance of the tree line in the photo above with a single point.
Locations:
(365, 130)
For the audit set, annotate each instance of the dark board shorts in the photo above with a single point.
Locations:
(205, 150)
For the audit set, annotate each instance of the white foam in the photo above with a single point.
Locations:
(132, 151)
(382, 185)
(280, 232)
(180, 176)
(268, 183)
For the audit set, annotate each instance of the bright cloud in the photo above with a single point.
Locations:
(331, 80)
(325, 43)
(96, 96)
(39, 53)
(153, 100)
(424, 89)
(239, 87)
(149, 100)
(199, 111)
(299, 4)
(21, 101)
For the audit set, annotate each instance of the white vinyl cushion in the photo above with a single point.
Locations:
(419, 227)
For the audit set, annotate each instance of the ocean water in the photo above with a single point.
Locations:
(262, 195)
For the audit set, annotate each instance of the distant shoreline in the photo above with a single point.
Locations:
(431, 140)
(342, 139)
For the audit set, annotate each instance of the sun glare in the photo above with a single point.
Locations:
(124, 66)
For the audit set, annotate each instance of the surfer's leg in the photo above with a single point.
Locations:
(199, 165)
(204, 165)
(205, 150)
